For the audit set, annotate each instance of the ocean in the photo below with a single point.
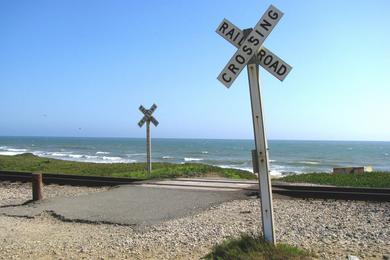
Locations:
(286, 157)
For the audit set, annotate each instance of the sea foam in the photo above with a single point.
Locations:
(10, 153)
(189, 159)
(167, 157)
(309, 162)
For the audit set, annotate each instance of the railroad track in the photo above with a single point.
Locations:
(298, 191)
(66, 179)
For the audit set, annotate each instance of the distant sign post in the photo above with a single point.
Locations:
(147, 118)
(251, 53)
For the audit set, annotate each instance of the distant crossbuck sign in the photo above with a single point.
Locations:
(148, 118)
(148, 115)
(249, 47)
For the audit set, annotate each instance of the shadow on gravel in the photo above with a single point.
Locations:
(83, 221)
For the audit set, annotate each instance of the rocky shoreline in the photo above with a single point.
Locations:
(331, 229)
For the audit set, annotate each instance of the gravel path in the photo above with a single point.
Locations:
(331, 229)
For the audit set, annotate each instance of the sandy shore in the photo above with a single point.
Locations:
(331, 229)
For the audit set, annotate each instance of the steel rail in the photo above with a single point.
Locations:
(290, 190)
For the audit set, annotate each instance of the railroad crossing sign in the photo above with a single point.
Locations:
(251, 53)
(264, 57)
(148, 118)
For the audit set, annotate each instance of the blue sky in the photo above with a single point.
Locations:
(82, 68)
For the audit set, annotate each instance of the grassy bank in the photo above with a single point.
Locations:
(248, 248)
(31, 163)
(369, 179)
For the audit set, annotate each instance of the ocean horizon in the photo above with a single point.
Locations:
(286, 156)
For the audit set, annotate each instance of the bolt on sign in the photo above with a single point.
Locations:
(148, 118)
(252, 54)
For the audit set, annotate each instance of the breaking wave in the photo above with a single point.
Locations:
(189, 159)
(168, 157)
(99, 152)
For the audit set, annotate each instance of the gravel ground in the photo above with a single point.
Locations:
(331, 229)
(17, 193)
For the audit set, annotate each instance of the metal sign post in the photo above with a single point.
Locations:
(261, 154)
(251, 53)
(148, 118)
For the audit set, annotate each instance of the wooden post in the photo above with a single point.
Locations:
(148, 148)
(37, 186)
(261, 154)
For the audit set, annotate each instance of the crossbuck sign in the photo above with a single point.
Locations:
(148, 118)
(251, 53)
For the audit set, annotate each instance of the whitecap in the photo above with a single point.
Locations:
(10, 153)
(91, 156)
(275, 173)
(16, 150)
(58, 154)
(111, 158)
(100, 152)
(248, 169)
(39, 153)
(309, 162)
(205, 152)
(134, 154)
(76, 156)
(167, 157)
(189, 159)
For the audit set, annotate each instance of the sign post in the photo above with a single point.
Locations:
(251, 53)
(261, 154)
(148, 118)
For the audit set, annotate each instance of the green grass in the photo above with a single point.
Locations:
(368, 179)
(31, 163)
(248, 248)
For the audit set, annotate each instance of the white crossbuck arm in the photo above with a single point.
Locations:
(250, 46)
(148, 115)
(264, 57)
